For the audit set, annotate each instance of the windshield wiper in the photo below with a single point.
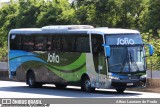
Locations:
(133, 62)
(124, 63)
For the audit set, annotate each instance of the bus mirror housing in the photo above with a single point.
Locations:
(151, 49)
(107, 49)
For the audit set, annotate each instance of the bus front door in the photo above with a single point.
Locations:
(102, 72)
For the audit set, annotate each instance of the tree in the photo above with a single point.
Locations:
(131, 13)
(28, 13)
(97, 12)
(154, 17)
(153, 61)
(56, 13)
(7, 21)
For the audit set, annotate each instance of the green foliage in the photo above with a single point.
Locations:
(154, 17)
(112, 13)
(3, 53)
(153, 61)
(55, 13)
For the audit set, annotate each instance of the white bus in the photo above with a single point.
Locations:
(78, 55)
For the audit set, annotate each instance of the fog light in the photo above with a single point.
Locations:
(143, 76)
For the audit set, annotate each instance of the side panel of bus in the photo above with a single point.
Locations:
(51, 62)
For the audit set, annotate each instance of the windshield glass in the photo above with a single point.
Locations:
(126, 59)
(127, 52)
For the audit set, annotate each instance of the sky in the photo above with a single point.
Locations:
(4, 0)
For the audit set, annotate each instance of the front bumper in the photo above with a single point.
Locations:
(128, 83)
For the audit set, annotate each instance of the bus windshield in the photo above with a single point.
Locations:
(126, 59)
(126, 54)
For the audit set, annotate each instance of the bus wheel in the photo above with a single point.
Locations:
(60, 85)
(120, 90)
(86, 85)
(32, 81)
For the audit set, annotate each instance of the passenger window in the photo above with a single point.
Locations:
(56, 43)
(82, 44)
(40, 43)
(15, 42)
(49, 44)
(28, 42)
(68, 43)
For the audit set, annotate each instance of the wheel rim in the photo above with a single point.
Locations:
(87, 85)
(31, 80)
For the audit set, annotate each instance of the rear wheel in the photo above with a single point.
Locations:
(86, 85)
(32, 81)
(60, 85)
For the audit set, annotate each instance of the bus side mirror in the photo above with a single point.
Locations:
(107, 49)
(151, 49)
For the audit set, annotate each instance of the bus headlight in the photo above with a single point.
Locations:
(143, 76)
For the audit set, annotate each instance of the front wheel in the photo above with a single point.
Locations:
(120, 90)
(86, 85)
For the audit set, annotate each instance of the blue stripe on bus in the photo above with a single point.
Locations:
(17, 53)
(17, 59)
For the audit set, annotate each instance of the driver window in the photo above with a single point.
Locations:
(97, 41)
(98, 53)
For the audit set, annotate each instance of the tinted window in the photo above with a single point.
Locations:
(68, 43)
(63, 42)
(28, 42)
(56, 43)
(15, 42)
(41, 42)
(49, 43)
(71, 43)
(82, 44)
(98, 53)
(97, 41)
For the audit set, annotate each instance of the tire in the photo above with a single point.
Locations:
(32, 81)
(86, 85)
(60, 85)
(120, 90)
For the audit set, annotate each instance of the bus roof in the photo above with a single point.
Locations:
(105, 30)
(72, 29)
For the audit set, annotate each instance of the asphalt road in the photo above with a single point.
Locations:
(10, 89)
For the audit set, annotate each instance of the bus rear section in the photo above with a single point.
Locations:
(49, 56)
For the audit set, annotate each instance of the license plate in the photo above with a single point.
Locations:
(129, 84)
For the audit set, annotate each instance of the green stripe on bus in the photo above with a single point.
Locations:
(79, 62)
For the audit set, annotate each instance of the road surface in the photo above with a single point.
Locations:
(10, 89)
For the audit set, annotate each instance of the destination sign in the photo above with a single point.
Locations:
(123, 39)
